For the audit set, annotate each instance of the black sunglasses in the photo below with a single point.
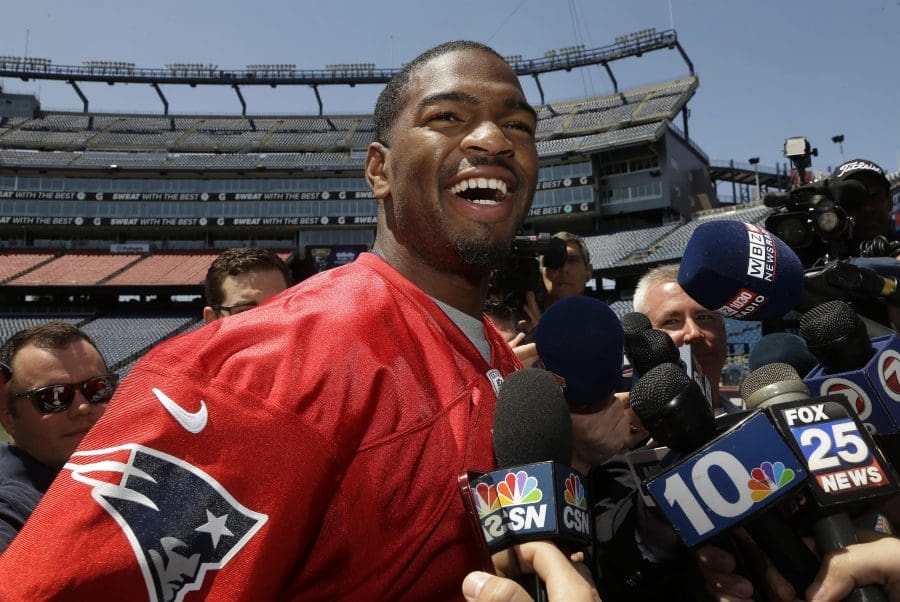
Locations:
(235, 309)
(6, 371)
(50, 399)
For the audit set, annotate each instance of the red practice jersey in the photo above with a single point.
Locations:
(308, 449)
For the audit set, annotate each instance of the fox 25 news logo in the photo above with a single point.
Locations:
(843, 461)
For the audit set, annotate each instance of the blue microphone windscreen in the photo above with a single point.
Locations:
(782, 348)
(741, 271)
(580, 340)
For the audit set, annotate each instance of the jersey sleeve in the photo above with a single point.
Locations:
(179, 490)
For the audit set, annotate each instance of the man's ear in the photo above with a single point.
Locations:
(376, 169)
(6, 419)
(209, 314)
(590, 273)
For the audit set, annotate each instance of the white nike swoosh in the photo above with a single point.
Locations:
(193, 422)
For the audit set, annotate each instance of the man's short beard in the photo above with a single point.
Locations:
(480, 253)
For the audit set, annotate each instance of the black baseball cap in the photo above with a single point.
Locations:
(856, 166)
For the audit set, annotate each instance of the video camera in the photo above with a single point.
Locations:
(811, 218)
(520, 270)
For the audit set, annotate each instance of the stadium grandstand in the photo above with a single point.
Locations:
(110, 220)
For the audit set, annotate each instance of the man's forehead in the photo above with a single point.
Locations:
(467, 67)
(668, 297)
(34, 358)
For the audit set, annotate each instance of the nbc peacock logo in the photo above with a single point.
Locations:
(485, 498)
(518, 488)
(767, 478)
(574, 494)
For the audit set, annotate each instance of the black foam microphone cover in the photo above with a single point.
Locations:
(651, 348)
(531, 420)
(633, 323)
(673, 409)
(836, 336)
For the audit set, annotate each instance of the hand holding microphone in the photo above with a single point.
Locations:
(565, 580)
(874, 563)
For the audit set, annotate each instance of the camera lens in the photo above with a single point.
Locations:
(793, 230)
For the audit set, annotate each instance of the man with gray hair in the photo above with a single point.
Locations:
(659, 296)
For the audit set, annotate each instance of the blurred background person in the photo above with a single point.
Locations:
(242, 278)
(573, 276)
(872, 214)
(59, 388)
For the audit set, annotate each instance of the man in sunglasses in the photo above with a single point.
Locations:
(56, 387)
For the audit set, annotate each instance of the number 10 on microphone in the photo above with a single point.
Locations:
(740, 472)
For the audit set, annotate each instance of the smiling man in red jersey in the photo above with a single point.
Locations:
(310, 449)
(57, 389)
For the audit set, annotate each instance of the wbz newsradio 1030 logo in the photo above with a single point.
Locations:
(762, 261)
(531, 502)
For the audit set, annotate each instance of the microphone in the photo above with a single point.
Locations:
(634, 323)
(650, 348)
(672, 408)
(732, 478)
(580, 340)
(845, 465)
(534, 495)
(782, 348)
(846, 468)
(772, 384)
(741, 271)
(866, 372)
(836, 336)
(647, 347)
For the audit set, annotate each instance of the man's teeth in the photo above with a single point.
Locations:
(481, 183)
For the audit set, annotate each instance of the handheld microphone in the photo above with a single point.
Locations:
(782, 348)
(845, 465)
(741, 271)
(580, 340)
(535, 495)
(730, 479)
(672, 408)
(866, 372)
(650, 348)
(772, 384)
(633, 324)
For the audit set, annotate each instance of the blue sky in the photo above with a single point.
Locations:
(768, 68)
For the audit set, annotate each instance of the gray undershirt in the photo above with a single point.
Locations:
(471, 327)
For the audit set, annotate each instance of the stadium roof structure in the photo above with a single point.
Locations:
(155, 143)
(193, 74)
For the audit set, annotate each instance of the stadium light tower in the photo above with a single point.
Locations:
(754, 161)
(839, 140)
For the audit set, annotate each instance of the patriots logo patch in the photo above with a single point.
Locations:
(179, 520)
